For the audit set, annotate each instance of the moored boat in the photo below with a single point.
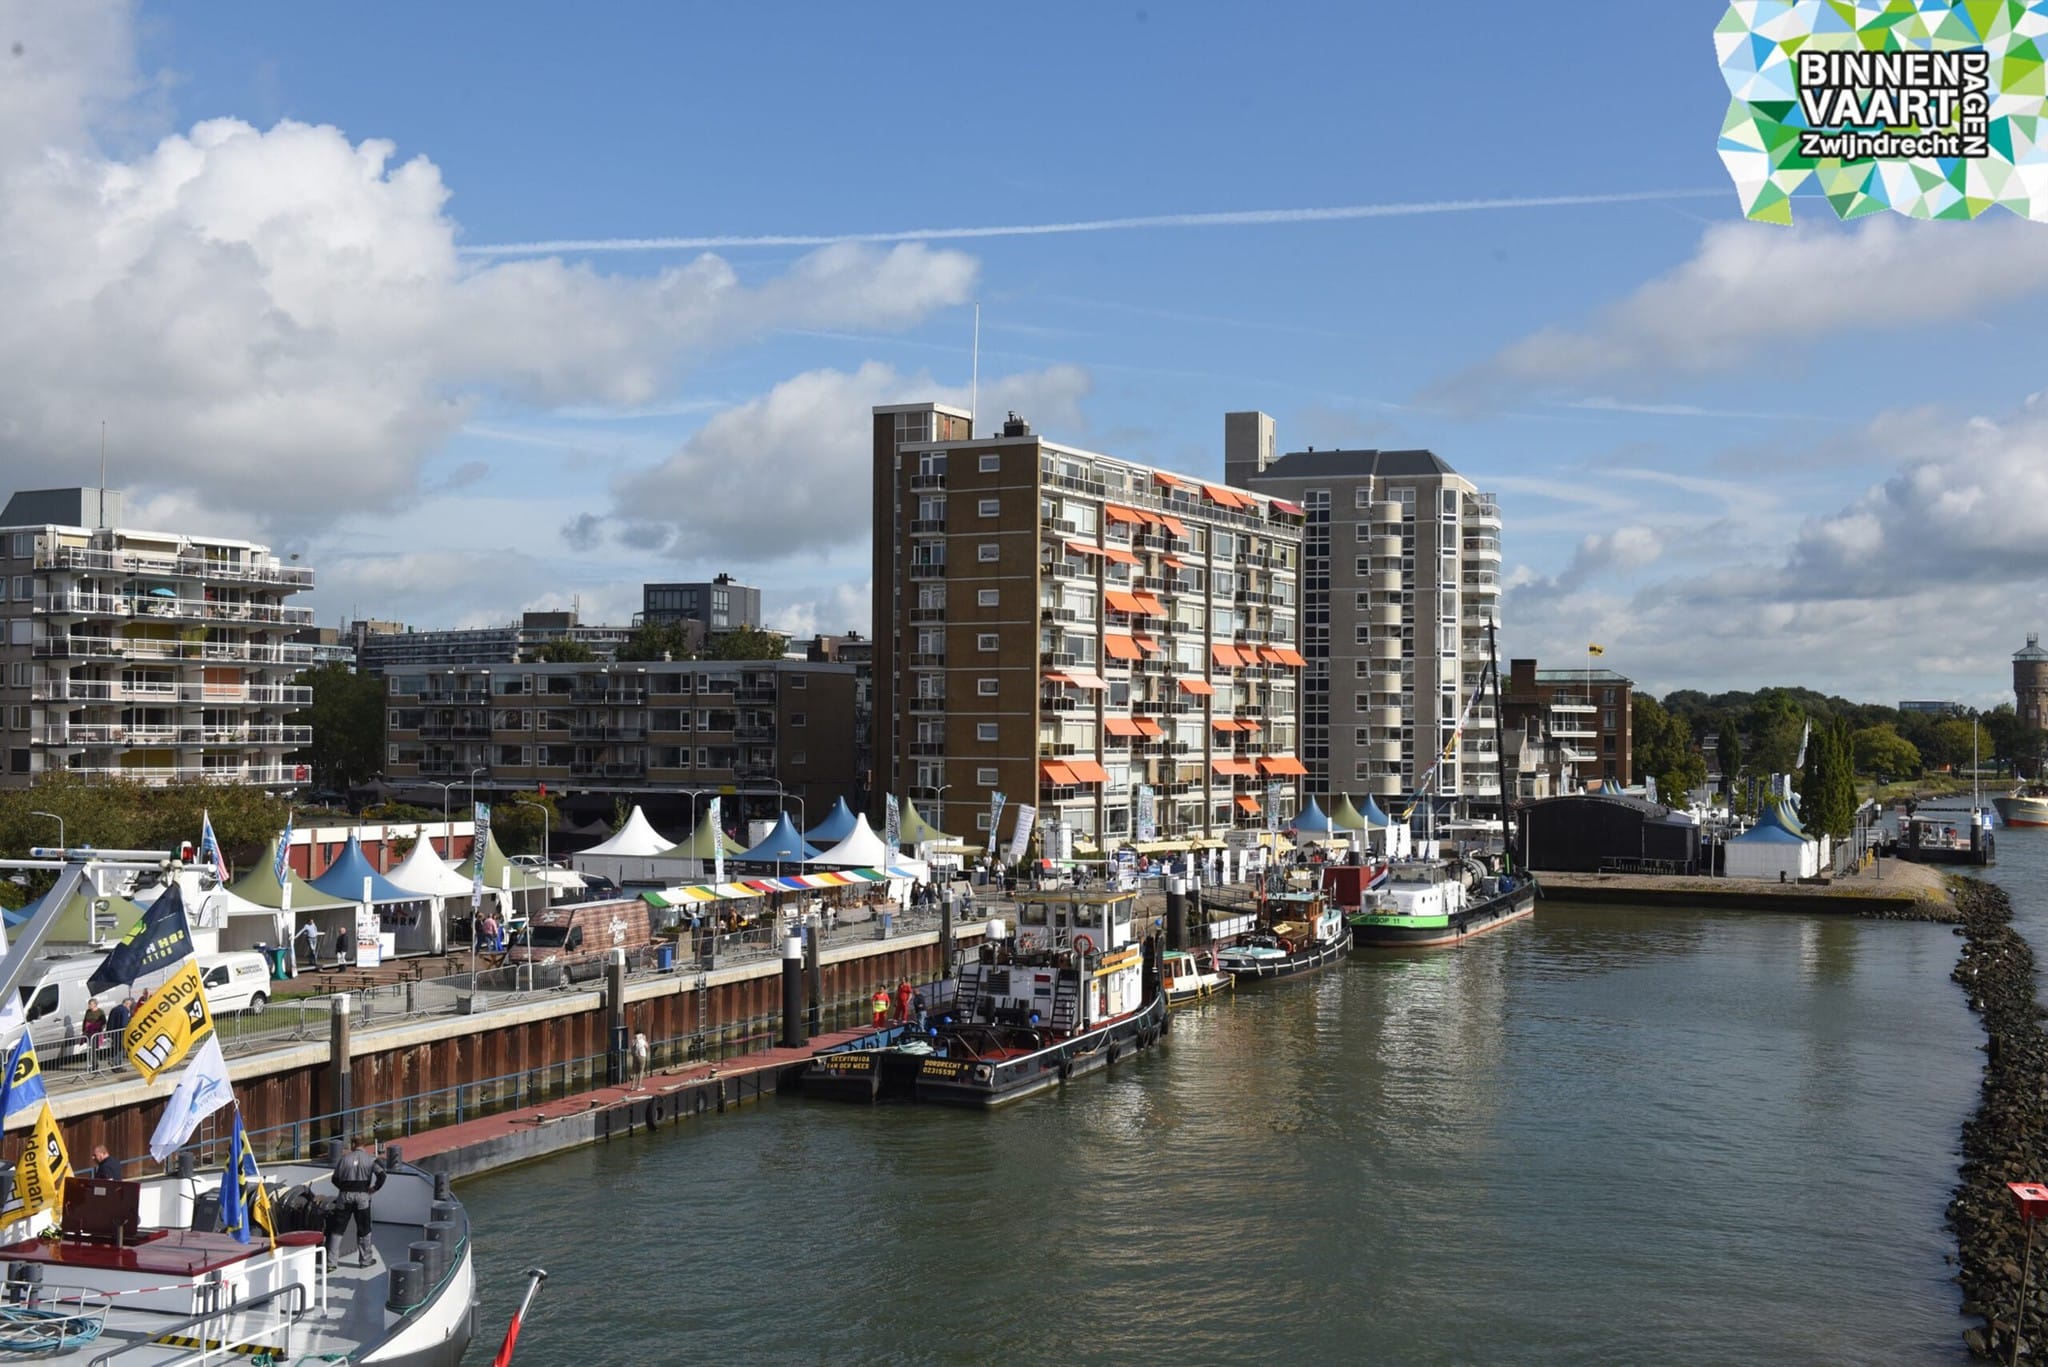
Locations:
(1299, 932)
(1070, 992)
(1427, 902)
(1186, 981)
(2026, 805)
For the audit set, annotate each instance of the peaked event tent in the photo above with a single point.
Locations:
(261, 886)
(1345, 817)
(703, 843)
(427, 874)
(1768, 850)
(1310, 820)
(915, 830)
(862, 849)
(1373, 815)
(628, 856)
(837, 825)
(782, 845)
(344, 878)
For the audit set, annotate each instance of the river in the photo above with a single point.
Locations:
(1604, 1136)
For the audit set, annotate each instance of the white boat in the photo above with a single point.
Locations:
(1185, 979)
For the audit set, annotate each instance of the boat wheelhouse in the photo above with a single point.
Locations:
(1298, 932)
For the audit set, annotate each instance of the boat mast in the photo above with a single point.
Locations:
(1500, 747)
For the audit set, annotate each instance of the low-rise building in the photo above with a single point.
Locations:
(383, 647)
(1587, 713)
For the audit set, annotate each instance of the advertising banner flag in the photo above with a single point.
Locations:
(1021, 841)
(170, 1021)
(995, 817)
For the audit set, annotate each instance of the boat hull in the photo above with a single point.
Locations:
(1308, 959)
(2022, 811)
(1188, 996)
(1427, 932)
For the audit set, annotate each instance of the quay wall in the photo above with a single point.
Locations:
(1919, 898)
(418, 1074)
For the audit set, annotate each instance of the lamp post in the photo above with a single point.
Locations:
(549, 863)
(447, 831)
(939, 805)
(476, 852)
(60, 827)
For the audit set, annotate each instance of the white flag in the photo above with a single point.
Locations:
(1020, 840)
(203, 1090)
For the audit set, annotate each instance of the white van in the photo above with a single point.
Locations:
(55, 1001)
(235, 982)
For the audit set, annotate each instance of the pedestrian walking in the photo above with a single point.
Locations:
(309, 934)
(641, 1053)
(341, 944)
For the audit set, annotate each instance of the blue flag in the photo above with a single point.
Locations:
(234, 1218)
(284, 849)
(209, 849)
(22, 1089)
(156, 942)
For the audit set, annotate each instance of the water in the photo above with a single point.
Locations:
(1604, 1136)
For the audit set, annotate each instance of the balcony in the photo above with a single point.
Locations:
(928, 659)
(1570, 702)
(1385, 513)
(266, 775)
(753, 733)
(927, 705)
(923, 748)
(184, 566)
(928, 481)
(757, 694)
(1483, 511)
(224, 695)
(927, 526)
(931, 615)
(928, 569)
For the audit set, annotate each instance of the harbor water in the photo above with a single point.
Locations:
(1604, 1136)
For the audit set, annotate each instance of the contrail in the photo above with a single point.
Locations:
(1237, 219)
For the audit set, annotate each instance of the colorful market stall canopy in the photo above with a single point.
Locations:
(837, 825)
(636, 837)
(1373, 815)
(262, 886)
(783, 844)
(763, 887)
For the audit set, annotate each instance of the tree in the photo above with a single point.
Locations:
(113, 814)
(565, 652)
(1774, 725)
(1948, 743)
(657, 641)
(1827, 785)
(1882, 752)
(347, 717)
(1688, 772)
(748, 643)
(1730, 755)
(518, 827)
(1661, 739)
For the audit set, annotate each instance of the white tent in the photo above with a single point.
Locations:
(221, 920)
(862, 849)
(426, 873)
(1768, 850)
(624, 857)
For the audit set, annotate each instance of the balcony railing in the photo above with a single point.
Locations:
(120, 648)
(224, 695)
(268, 775)
(184, 566)
(86, 733)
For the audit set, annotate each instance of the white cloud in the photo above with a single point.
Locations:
(1750, 288)
(833, 610)
(280, 320)
(790, 473)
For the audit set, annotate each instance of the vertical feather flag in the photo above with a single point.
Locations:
(284, 850)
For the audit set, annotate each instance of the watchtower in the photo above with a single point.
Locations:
(2030, 682)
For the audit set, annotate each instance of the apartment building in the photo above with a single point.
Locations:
(721, 604)
(856, 650)
(701, 725)
(1401, 577)
(1584, 715)
(1108, 642)
(160, 657)
(384, 647)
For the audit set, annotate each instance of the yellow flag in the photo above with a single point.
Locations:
(168, 1023)
(40, 1172)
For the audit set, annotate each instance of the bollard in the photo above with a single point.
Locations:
(793, 992)
(338, 1059)
(1176, 913)
(615, 1013)
(815, 973)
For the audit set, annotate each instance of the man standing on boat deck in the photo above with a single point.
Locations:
(903, 995)
(880, 1002)
(357, 1174)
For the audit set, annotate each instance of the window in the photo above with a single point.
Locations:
(799, 719)
(21, 676)
(981, 821)
(799, 681)
(1364, 567)
(985, 688)
(986, 598)
(18, 631)
(17, 718)
(987, 640)
(985, 730)
(799, 757)
(1362, 634)
(985, 778)
(1361, 668)
(1361, 497)
(988, 552)
(24, 587)
(991, 462)
(24, 546)
(988, 507)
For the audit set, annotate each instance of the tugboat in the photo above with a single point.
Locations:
(1187, 981)
(1299, 933)
(1070, 992)
(1427, 902)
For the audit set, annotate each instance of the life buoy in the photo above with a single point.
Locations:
(1083, 940)
(654, 1114)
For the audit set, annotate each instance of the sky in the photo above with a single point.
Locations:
(487, 308)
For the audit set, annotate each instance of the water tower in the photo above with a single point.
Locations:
(2030, 682)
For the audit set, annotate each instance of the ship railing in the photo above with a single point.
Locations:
(226, 1348)
(61, 1317)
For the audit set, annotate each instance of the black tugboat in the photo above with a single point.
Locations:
(1070, 992)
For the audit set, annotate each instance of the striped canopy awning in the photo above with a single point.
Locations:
(762, 887)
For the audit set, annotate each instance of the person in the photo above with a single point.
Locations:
(341, 942)
(903, 995)
(357, 1176)
(489, 932)
(832, 916)
(640, 1056)
(917, 1004)
(118, 1018)
(93, 1027)
(310, 934)
(104, 1168)
(880, 1002)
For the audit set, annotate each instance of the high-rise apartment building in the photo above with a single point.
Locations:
(160, 657)
(1091, 636)
(1401, 575)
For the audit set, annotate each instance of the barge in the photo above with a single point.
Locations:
(1429, 903)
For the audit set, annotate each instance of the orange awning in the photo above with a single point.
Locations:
(1145, 643)
(1083, 548)
(1083, 679)
(1121, 726)
(1247, 726)
(1222, 497)
(1199, 687)
(1058, 676)
(1271, 655)
(1121, 647)
(1117, 513)
(1289, 656)
(1057, 774)
(1121, 601)
(1173, 562)
(1088, 771)
(1250, 804)
(1152, 606)
(1283, 764)
(1166, 480)
(1117, 555)
(1244, 768)
(1224, 724)
(1175, 526)
(1226, 656)
(1152, 519)
(1148, 727)
(1294, 509)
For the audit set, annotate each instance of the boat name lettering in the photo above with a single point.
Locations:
(942, 1067)
(848, 1063)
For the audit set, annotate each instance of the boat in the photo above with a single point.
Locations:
(1185, 981)
(2026, 805)
(1298, 932)
(1428, 902)
(1068, 991)
(139, 1273)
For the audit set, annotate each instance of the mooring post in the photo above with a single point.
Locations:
(615, 1013)
(337, 1061)
(814, 972)
(947, 906)
(793, 991)
(1176, 912)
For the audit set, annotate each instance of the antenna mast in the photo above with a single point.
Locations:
(974, 384)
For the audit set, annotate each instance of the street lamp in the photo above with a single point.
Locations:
(447, 831)
(939, 805)
(60, 826)
(476, 905)
(549, 868)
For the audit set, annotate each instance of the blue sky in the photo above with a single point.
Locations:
(1734, 454)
